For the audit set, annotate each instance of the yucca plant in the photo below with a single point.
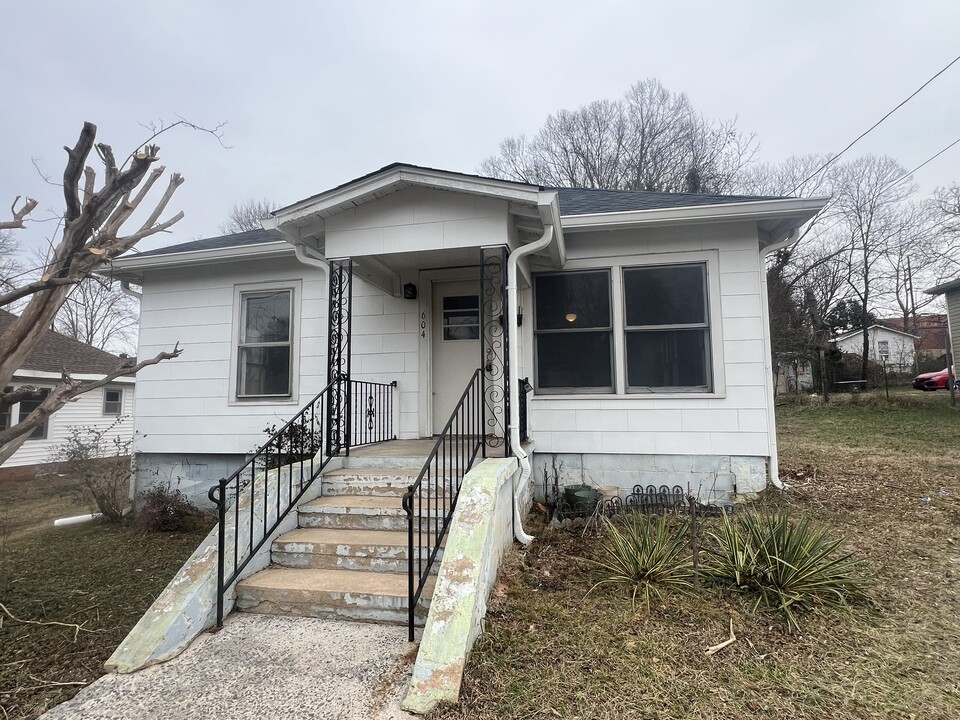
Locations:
(645, 556)
(790, 564)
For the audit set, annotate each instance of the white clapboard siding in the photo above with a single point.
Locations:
(731, 421)
(85, 412)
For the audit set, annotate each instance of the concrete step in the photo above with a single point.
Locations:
(353, 512)
(383, 461)
(377, 481)
(352, 594)
(332, 548)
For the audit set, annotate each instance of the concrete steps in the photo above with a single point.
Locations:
(348, 557)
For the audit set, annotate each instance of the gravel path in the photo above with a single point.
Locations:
(262, 667)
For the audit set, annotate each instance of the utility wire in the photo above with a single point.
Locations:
(925, 162)
(875, 125)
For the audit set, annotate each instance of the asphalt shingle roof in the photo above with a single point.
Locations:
(54, 351)
(251, 237)
(573, 201)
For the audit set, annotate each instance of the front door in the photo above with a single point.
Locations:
(456, 344)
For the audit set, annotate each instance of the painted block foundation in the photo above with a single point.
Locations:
(712, 478)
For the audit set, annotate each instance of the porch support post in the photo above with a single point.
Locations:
(494, 344)
(339, 325)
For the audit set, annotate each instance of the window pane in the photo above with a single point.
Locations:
(265, 371)
(461, 317)
(112, 402)
(574, 360)
(266, 317)
(28, 406)
(667, 359)
(665, 295)
(573, 300)
(461, 302)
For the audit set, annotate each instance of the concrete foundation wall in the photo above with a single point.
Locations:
(713, 478)
(191, 473)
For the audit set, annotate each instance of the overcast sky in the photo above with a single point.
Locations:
(318, 93)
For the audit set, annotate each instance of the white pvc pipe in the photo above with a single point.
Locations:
(513, 366)
(76, 519)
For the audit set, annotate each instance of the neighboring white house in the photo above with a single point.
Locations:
(951, 293)
(894, 348)
(641, 324)
(108, 407)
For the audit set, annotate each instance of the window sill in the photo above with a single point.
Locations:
(628, 396)
(234, 402)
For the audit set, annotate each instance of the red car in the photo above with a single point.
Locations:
(932, 380)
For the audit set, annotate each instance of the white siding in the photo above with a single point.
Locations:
(953, 322)
(85, 412)
(185, 405)
(901, 347)
(733, 420)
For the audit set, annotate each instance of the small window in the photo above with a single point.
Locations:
(30, 404)
(5, 412)
(265, 348)
(112, 401)
(883, 349)
(461, 317)
(667, 328)
(574, 336)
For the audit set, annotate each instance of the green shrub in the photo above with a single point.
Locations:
(789, 564)
(645, 556)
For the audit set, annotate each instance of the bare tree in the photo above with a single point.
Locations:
(869, 191)
(247, 215)
(11, 268)
(91, 237)
(651, 139)
(98, 313)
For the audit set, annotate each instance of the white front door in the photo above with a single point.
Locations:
(456, 344)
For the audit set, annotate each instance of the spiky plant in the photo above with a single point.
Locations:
(790, 564)
(645, 556)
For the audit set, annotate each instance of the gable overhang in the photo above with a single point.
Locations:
(775, 219)
(859, 331)
(944, 288)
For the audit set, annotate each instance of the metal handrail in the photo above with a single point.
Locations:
(297, 449)
(430, 501)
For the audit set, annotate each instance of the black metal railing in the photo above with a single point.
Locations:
(430, 501)
(277, 475)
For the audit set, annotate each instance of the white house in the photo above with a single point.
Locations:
(641, 323)
(895, 348)
(108, 407)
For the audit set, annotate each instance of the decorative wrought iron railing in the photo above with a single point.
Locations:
(263, 491)
(430, 501)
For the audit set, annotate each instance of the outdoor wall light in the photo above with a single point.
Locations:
(571, 317)
(409, 291)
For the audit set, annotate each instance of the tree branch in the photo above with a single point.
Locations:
(18, 215)
(36, 286)
(77, 158)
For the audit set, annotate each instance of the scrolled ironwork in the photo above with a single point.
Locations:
(494, 347)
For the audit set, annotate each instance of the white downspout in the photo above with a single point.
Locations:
(129, 291)
(301, 251)
(513, 364)
(774, 469)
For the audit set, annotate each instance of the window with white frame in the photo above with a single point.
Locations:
(6, 412)
(112, 401)
(265, 344)
(573, 327)
(883, 349)
(667, 328)
(27, 406)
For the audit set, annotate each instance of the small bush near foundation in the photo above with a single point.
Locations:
(99, 460)
(645, 556)
(162, 509)
(789, 564)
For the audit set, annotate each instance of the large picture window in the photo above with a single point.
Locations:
(265, 347)
(574, 331)
(667, 328)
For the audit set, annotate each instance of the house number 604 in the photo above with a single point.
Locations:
(423, 324)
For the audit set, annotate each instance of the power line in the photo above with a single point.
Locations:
(925, 162)
(875, 125)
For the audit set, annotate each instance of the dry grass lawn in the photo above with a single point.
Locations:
(886, 476)
(98, 577)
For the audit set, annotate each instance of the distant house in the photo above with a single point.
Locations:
(932, 331)
(111, 405)
(894, 348)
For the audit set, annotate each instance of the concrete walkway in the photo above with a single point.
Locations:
(262, 667)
